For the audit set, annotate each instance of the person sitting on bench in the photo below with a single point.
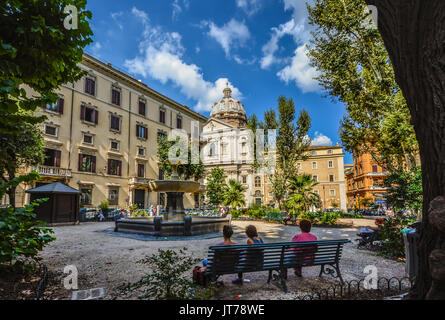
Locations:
(304, 236)
(252, 233)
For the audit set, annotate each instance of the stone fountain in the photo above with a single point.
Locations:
(174, 222)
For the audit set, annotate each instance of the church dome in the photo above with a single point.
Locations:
(229, 110)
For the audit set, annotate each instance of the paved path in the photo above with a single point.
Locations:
(108, 261)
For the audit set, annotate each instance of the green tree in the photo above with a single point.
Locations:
(355, 69)
(21, 149)
(292, 145)
(404, 190)
(302, 196)
(22, 237)
(216, 186)
(234, 195)
(38, 51)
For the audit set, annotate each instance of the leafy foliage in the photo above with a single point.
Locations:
(302, 197)
(234, 195)
(392, 238)
(216, 186)
(405, 190)
(320, 217)
(355, 69)
(168, 279)
(291, 144)
(38, 51)
(21, 236)
(186, 171)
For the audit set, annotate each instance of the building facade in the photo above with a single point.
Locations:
(365, 182)
(227, 146)
(101, 138)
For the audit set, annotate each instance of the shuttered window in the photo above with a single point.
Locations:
(89, 114)
(56, 107)
(141, 132)
(87, 163)
(90, 86)
(114, 167)
(115, 97)
(142, 109)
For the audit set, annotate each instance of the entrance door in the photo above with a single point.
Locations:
(139, 198)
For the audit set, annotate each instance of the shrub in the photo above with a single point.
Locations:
(104, 205)
(168, 279)
(21, 235)
(393, 245)
(236, 214)
(320, 217)
(140, 213)
(256, 212)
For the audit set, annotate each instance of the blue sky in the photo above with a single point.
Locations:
(189, 49)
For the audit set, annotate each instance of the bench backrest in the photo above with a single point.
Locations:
(273, 256)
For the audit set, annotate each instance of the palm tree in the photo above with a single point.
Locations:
(233, 195)
(302, 196)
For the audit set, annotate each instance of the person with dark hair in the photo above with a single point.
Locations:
(305, 236)
(252, 233)
(227, 234)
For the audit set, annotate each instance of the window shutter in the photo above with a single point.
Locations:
(145, 133)
(119, 165)
(93, 164)
(96, 116)
(109, 166)
(80, 162)
(82, 112)
(57, 155)
(60, 104)
(137, 130)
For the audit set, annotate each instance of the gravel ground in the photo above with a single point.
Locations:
(108, 261)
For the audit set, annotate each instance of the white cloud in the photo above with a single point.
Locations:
(250, 7)
(115, 16)
(300, 72)
(161, 57)
(142, 15)
(271, 47)
(230, 35)
(178, 7)
(321, 140)
(297, 67)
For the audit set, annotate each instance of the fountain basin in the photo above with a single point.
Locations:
(189, 226)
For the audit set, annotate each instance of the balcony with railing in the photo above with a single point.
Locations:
(139, 181)
(52, 171)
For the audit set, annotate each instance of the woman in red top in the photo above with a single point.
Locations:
(305, 236)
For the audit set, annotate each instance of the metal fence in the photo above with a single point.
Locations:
(355, 290)
(41, 286)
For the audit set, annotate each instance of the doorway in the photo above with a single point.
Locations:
(139, 198)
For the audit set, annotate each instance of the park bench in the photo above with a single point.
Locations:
(275, 258)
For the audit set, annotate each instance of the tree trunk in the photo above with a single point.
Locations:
(414, 35)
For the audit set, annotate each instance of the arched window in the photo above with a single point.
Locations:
(257, 182)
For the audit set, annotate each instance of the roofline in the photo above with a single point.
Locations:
(142, 86)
